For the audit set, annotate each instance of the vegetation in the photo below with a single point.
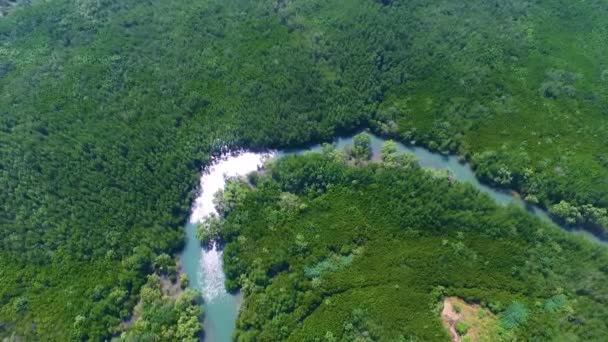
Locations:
(462, 328)
(6, 6)
(362, 149)
(209, 230)
(378, 247)
(164, 318)
(108, 110)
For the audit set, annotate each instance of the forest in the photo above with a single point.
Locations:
(109, 109)
(324, 250)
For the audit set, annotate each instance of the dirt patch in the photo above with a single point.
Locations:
(172, 290)
(468, 322)
(450, 317)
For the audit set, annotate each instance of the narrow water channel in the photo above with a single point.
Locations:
(204, 267)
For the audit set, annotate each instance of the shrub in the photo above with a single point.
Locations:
(209, 230)
(183, 280)
(462, 328)
(162, 263)
(362, 149)
(515, 315)
(20, 305)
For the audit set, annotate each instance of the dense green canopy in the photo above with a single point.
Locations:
(329, 252)
(108, 109)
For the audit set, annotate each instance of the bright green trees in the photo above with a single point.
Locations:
(389, 153)
(163, 318)
(362, 147)
(209, 230)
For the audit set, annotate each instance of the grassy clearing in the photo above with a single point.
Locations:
(469, 322)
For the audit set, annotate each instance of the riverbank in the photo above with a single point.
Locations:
(461, 171)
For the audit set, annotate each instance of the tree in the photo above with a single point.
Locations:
(209, 230)
(290, 203)
(362, 149)
(332, 153)
(20, 305)
(301, 243)
(163, 263)
(389, 153)
(564, 210)
(225, 200)
(163, 318)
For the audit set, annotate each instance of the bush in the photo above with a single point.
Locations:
(515, 315)
(362, 149)
(163, 263)
(183, 280)
(209, 230)
(20, 305)
(462, 328)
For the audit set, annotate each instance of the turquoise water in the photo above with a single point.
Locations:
(221, 312)
(204, 267)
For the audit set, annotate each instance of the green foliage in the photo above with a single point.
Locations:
(333, 263)
(290, 203)
(110, 108)
(330, 150)
(378, 247)
(20, 305)
(389, 152)
(360, 328)
(163, 263)
(226, 199)
(362, 147)
(514, 316)
(568, 212)
(555, 303)
(163, 318)
(183, 280)
(573, 215)
(462, 328)
(209, 230)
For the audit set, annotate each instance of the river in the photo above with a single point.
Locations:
(204, 267)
